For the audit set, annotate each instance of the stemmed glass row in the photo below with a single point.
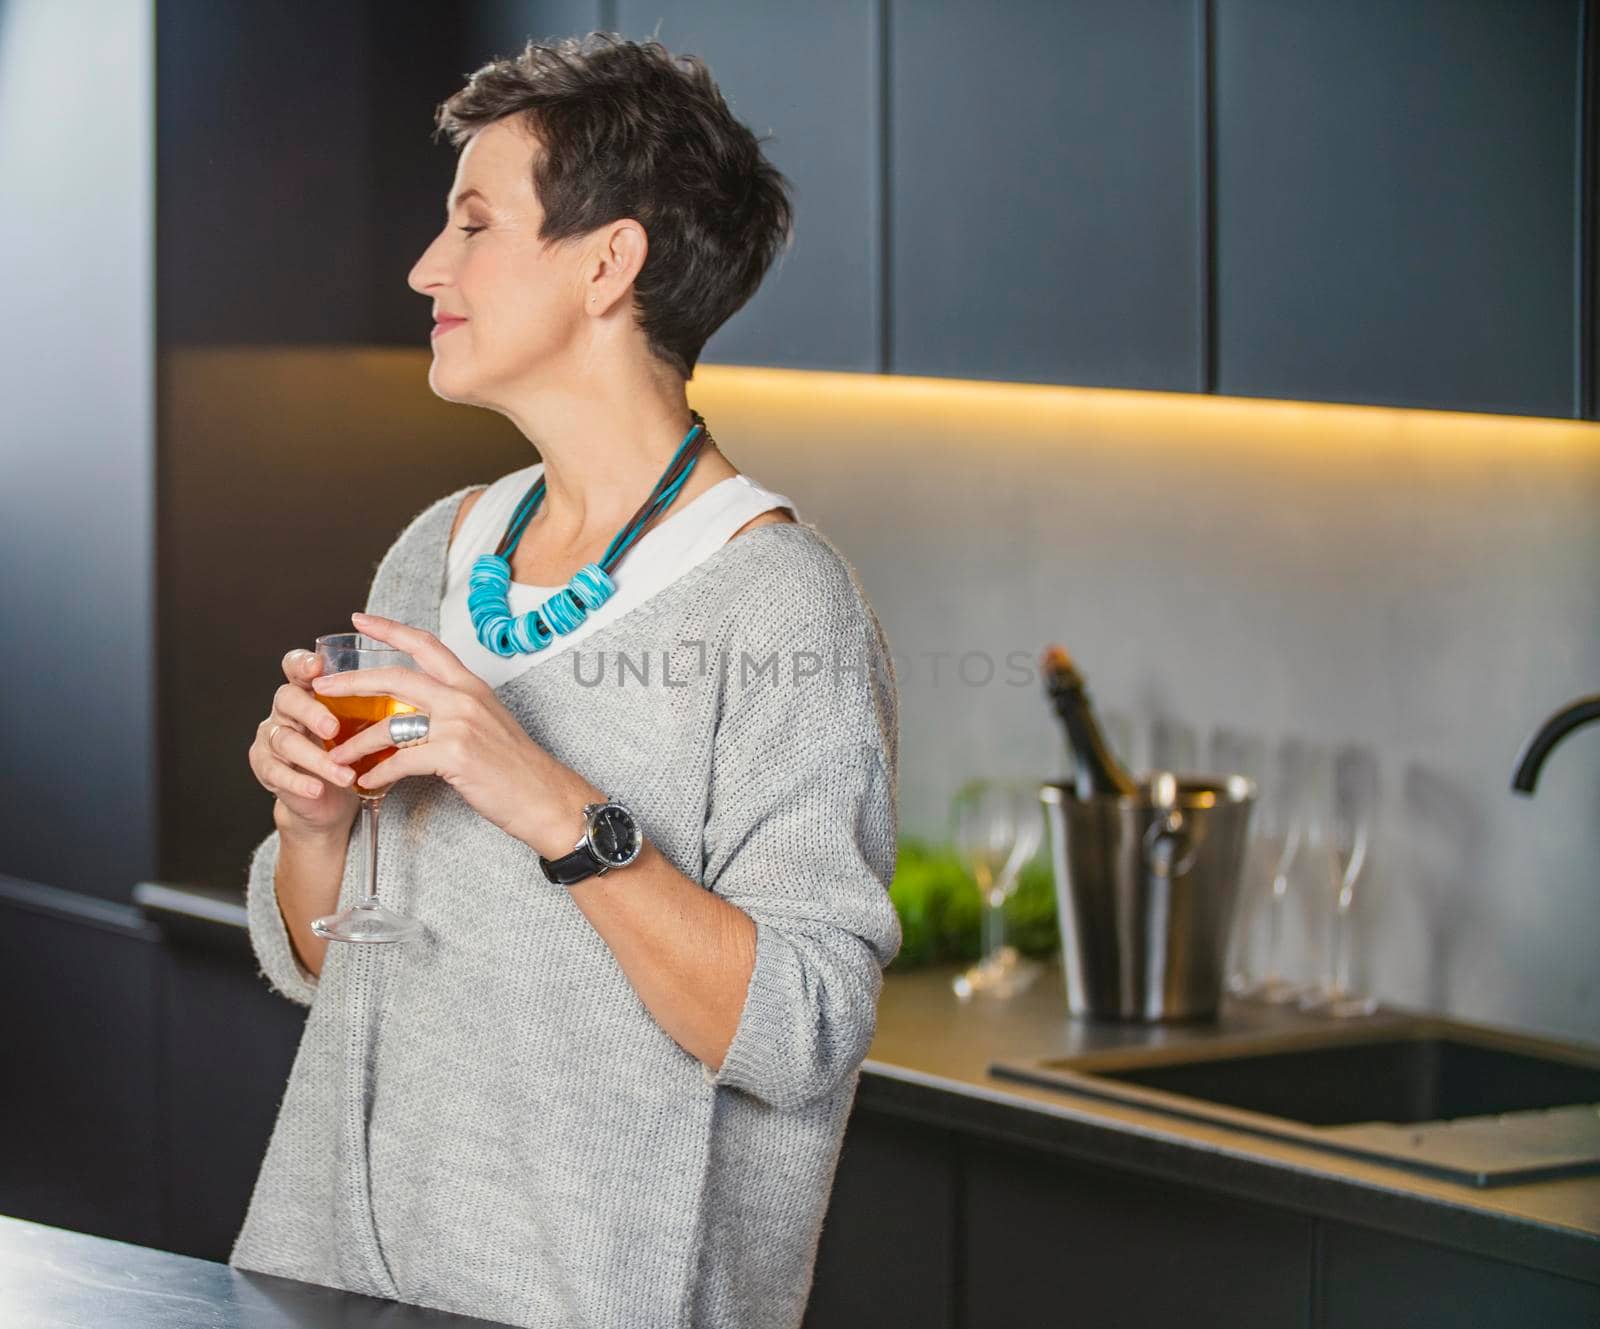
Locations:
(1306, 869)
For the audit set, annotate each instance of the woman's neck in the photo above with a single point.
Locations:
(599, 467)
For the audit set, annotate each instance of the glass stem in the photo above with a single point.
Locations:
(1339, 947)
(369, 831)
(993, 926)
(1274, 928)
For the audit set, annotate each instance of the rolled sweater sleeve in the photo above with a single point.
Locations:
(269, 934)
(801, 836)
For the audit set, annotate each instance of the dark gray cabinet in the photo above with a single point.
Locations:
(298, 180)
(884, 1257)
(263, 222)
(227, 1045)
(970, 1229)
(80, 985)
(805, 79)
(1373, 1280)
(1044, 192)
(1397, 193)
(1042, 1236)
(1386, 201)
(144, 1072)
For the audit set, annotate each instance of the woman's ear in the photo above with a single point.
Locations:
(621, 256)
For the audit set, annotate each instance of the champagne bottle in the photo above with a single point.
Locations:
(1096, 769)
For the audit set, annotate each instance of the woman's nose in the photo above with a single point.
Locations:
(427, 271)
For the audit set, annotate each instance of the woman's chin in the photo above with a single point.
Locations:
(451, 386)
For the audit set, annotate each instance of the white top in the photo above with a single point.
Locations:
(668, 549)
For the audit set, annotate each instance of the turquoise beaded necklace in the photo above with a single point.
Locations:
(507, 634)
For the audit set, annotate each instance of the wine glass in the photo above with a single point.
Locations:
(1242, 752)
(996, 826)
(1354, 799)
(1295, 853)
(340, 652)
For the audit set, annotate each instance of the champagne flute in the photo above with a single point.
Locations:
(1244, 752)
(997, 826)
(1015, 972)
(1293, 840)
(340, 652)
(1355, 790)
(1309, 866)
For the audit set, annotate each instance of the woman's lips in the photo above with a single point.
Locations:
(445, 324)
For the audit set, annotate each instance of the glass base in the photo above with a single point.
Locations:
(369, 922)
(1338, 1002)
(1004, 974)
(1272, 991)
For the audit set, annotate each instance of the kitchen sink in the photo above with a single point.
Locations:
(1452, 1100)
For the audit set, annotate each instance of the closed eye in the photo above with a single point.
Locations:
(472, 230)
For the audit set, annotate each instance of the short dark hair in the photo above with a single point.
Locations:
(630, 130)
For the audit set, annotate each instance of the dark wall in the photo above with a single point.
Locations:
(298, 176)
(299, 183)
(286, 474)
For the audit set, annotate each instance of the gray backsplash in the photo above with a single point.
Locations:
(1425, 583)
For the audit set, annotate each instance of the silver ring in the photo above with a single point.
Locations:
(406, 731)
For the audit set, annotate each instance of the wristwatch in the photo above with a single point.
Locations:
(610, 839)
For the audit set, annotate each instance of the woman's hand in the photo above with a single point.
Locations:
(474, 743)
(289, 760)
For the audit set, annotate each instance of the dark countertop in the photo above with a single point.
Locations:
(53, 1279)
(930, 1060)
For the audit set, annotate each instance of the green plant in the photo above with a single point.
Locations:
(934, 894)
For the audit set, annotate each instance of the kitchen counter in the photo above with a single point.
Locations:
(53, 1279)
(929, 1062)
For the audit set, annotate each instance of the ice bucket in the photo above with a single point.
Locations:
(1145, 892)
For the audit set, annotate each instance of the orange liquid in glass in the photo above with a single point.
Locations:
(355, 714)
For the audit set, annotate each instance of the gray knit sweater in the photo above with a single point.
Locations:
(486, 1119)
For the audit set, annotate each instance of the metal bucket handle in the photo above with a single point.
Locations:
(1171, 838)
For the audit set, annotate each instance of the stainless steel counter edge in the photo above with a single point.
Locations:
(51, 1277)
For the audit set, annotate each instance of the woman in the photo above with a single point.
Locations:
(575, 1097)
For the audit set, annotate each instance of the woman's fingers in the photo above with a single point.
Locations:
(311, 757)
(301, 665)
(282, 778)
(295, 698)
(293, 702)
(437, 659)
(272, 770)
(288, 756)
(411, 686)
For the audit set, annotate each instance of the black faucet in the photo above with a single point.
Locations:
(1556, 728)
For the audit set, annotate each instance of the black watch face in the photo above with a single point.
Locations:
(613, 835)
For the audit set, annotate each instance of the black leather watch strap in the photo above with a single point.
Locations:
(616, 844)
(571, 868)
